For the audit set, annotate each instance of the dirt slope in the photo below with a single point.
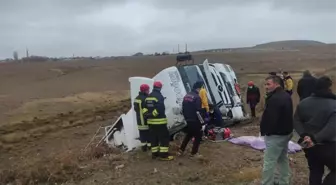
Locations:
(50, 111)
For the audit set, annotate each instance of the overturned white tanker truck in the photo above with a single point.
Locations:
(177, 81)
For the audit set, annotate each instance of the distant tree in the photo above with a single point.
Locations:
(138, 54)
(15, 56)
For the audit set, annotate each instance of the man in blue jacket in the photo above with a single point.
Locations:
(191, 109)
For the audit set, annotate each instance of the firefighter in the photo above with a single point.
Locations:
(157, 121)
(139, 105)
(288, 82)
(191, 108)
(252, 97)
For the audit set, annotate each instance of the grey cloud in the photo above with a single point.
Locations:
(306, 6)
(106, 27)
(310, 6)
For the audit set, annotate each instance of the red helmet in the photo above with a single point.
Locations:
(250, 83)
(144, 88)
(158, 84)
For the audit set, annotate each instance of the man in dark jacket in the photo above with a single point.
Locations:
(315, 122)
(191, 109)
(252, 97)
(276, 126)
(139, 105)
(157, 121)
(306, 85)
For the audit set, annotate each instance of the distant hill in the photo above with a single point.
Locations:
(293, 44)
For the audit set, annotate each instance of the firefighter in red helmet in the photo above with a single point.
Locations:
(139, 105)
(157, 121)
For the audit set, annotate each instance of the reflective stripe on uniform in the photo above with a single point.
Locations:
(143, 127)
(164, 149)
(144, 110)
(155, 113)
(151, 99)
(143, 144)
(157, 121)
(139, 102)
(155, 149)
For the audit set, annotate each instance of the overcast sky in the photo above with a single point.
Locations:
(123, 27)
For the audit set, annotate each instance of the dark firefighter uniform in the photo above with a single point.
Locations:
(139, 104)
(192, 105)
(157, 121)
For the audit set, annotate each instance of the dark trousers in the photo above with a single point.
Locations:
(193, 130)
(159, 140)
(318, 157)
(253, 109)
(145, 139)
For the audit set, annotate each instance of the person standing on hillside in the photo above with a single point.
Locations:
(306, 85)
(191, 109)
(315, 122)
(288, 82)
(157, 121)
(277, 128)
(252, 97)
(139, 105)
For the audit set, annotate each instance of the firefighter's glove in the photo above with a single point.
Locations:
(203, 128)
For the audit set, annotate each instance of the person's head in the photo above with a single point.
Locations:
(323, 84)
(272, 82)
(250, 84)
(285, 73)
(144, 88)
(306, 73)
(198, 85)
(157, 85)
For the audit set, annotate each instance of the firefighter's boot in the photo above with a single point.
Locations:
(144, 148)
(155, 155)
(167, 158)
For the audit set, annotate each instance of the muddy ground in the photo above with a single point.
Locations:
(50, 111)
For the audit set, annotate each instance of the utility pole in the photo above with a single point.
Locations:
(186, 47)
(178, 48)
(27, 52)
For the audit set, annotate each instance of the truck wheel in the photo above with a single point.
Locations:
(178, 136)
